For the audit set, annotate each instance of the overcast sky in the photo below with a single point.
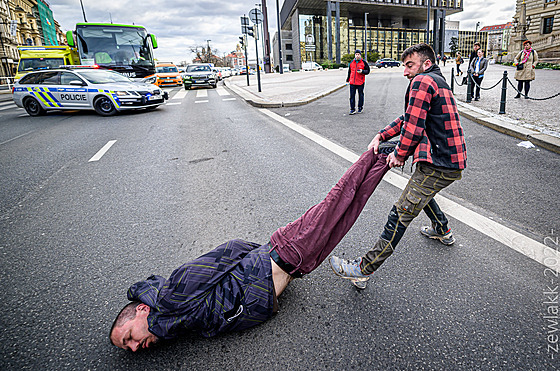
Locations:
(181, 24)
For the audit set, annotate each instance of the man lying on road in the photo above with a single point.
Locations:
(236, 285)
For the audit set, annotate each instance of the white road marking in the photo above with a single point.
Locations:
(8, 107)
(222, 91)
(535, 250)
(102, 151)
(180, 94)
(201, 93)
(173, 104)
(225, 99)
(201, 101)
(19, 136)
(7, 102)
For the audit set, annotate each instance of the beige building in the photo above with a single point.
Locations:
(543, 29)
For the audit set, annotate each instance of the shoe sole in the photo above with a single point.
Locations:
(360, 285)
(440, 239)
(364, 279)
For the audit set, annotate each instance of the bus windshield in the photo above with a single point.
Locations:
(108, 45)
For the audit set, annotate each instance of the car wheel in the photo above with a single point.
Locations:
(33, 107)
(385, 66)
(187, 87)
(214, 86)
(104, 106)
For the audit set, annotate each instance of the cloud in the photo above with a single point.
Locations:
(177, 24)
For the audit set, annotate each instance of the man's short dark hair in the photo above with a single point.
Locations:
(424, 50)
(477, 44)
(126, 314)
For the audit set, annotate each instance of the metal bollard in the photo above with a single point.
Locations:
(504, 90)
(469, 97)
(452, 80)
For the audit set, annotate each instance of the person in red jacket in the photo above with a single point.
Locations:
(431, 133)
(357, 71)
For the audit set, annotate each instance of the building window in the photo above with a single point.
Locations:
(288, 46)
(547, 25)
(289, 58)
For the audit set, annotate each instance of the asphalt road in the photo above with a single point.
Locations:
(189, 176)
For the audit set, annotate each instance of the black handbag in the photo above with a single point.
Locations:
(520, 66)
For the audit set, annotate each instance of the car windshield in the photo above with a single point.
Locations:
(198, 68)
(33, 64)
(166, 69)
(103, 77)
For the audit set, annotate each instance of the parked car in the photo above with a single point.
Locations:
(199, 74)
(387, 62)
(104, 91)
(311, 66)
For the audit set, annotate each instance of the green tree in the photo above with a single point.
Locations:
(347, 58)
(453, 45)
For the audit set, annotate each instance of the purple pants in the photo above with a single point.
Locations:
(306, 242)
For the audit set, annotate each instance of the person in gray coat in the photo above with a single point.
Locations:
(525, 61)
(476, 69)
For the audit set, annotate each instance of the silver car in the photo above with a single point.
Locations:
(104, 91)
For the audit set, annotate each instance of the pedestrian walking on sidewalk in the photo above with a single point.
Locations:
(357, 71)
(430, 131)
(476, 69)
(444, 59)
(459, 61)
(236, 285)
(474, 54)
(525, 61)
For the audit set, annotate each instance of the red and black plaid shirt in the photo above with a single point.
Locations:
(430, 128)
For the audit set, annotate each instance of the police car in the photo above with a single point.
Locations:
(107, 92)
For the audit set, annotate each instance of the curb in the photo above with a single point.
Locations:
(545, 141)
(257, 101)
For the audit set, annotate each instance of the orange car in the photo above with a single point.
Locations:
(167, 74)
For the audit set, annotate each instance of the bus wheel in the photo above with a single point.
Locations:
(104, 106)
(33, 107)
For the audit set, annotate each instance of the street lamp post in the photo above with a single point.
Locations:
(279, 38)
(365, 35)
(476, 31)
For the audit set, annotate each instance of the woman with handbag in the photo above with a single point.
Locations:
(459, 60)
(525, 61)
(476, 70)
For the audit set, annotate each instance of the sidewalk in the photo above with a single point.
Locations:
(525, 119)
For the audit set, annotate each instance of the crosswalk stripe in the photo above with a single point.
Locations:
(226, 99)
(6, 103)
(202, 93)
(8, 107)
(222, 91)
(201, 101)
(180, 94)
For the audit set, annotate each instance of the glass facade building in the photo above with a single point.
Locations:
(326, 30)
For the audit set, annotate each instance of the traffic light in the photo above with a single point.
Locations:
(250, 31)
(242, 41)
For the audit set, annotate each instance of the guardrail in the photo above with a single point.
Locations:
(504, 80)
(6, 82)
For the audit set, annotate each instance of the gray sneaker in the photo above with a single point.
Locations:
(348, 269)
(430, 232)
(360, 285)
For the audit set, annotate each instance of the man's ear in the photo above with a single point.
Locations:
(143, 308)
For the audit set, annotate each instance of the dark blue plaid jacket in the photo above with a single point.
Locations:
(228, 289)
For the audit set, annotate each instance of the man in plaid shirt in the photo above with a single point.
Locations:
(430, 131)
